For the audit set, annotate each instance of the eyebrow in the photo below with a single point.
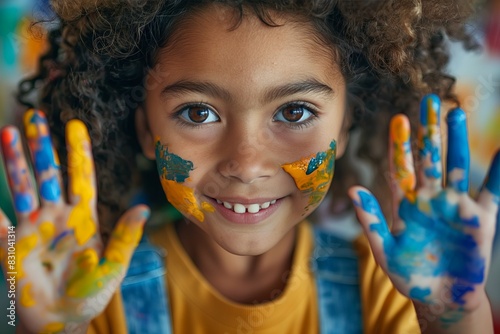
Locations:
(310, 85)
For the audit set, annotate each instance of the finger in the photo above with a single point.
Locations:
(91, 274)
(374, 224)
(20, 180)
(82, 188)
(401, 159)
(45, 160)
(430, 142)
(489, 197)
(458, 159)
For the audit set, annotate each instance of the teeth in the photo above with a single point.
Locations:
(251, 208)
(239, 208)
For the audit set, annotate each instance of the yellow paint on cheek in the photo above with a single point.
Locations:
(24, 246)
(400, 135)
(53, 327)
(184, 200)
(47, 231)
(27, 299)
(313, 174)
(80, 169)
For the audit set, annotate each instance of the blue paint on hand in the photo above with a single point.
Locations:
(50, 189)
(420, 294)
(23, 202)
(458, 158)
(435, 103)
(493, 181)
(44, 157)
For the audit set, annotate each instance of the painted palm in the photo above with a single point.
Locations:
(438, 250)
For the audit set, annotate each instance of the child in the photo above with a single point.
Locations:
(245, 107)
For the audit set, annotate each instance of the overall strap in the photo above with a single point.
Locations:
(144, 292)
(335, 266)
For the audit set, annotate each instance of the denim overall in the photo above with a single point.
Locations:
(335, 267)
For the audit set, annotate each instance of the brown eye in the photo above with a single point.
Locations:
(198, 114)
(294, 113)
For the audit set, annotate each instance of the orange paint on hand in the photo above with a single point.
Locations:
(184, 200)
(80, 170)
(403, 165)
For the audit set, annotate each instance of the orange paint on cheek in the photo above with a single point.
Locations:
(313, 175)
(184, 200)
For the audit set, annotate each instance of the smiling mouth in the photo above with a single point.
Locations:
(244, 208)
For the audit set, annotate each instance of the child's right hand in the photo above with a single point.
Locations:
(61, 279)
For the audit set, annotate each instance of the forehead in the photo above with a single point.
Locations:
(212, 41)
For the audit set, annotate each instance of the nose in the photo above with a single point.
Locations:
(247, 155)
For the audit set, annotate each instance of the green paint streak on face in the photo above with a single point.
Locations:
(170, 166)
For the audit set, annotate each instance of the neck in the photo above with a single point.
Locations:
(242, 279)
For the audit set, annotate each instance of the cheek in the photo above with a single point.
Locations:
(174, 171)
(313, 175)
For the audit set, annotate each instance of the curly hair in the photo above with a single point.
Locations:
(391, 53)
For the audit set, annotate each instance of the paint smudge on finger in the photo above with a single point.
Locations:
(402, 156)
(27, 299)
(81, 176)
(18, 173)
(173, 171)
(45, 159)
(313, 174)
(429, 136)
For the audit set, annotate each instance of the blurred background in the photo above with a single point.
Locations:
(478, 87)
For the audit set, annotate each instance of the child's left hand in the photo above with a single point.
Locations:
(438, 250)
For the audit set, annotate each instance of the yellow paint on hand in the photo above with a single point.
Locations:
(81, 171)
(47, 231)
(24, 247)
(317, 182)
(87, 260)
(27, 299)
(84, 283)
(403, 165)
(53, 327)
(184, 200)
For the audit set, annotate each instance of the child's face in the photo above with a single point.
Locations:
(227, 116)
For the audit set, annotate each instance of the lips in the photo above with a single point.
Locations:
(244, 208)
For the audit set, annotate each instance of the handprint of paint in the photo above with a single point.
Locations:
(57, 251)
(313, 174)
(173, 171)
(438, 233)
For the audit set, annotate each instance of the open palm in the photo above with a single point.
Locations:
(62, 282)
(438, 250)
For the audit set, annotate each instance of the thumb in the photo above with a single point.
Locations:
(126, 235)
(373, 222)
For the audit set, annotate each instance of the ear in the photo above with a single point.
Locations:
(144, 135)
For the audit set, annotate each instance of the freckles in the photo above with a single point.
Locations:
(174, 171)
(313, 174)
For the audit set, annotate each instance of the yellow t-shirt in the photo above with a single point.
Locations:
(197, 308)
